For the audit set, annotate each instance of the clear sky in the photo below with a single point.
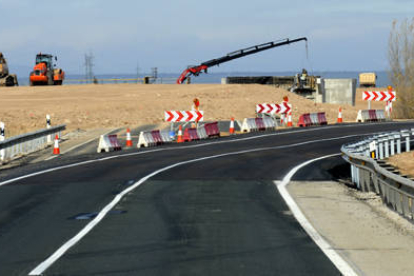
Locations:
(343, 35)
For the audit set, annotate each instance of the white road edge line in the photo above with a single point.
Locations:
(71, 242)
(326, 248)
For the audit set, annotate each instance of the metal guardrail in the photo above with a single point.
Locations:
(28, 143)
(371, 174)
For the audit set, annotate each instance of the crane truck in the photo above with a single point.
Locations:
(6, 79)
(45, 73)
(196, 70)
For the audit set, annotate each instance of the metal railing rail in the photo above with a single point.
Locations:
(28, 143)
(374, 175)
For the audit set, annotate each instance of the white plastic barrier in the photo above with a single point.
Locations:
(202, 133)
(249, 125)
(314, 118)
(145, 140)
(363, 116)
(269, 123)
(380, 114)
(165, 136)
(371, 115)
(108, 143)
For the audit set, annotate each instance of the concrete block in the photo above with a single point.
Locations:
(339, 91)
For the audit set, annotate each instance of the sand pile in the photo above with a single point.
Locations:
(404, 162)
(85, 107)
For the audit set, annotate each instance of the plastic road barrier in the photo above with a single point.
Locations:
(258, 124)
(370, 115)
(312, 119)
(212, 129)
(109, 143)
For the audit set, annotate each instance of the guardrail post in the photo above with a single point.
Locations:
(392, 144)
(376, 148)
(407, 143)
(398, 136)
(381, 148)
(386, 147)
(2, 137)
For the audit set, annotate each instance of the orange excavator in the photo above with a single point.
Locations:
(45, 73)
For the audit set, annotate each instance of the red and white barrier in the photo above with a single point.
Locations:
(258, 124)
(109, 143)
(370, 115)
(312, 119)
(190, 134)
(153, 138)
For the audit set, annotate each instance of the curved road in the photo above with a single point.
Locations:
(216, 211)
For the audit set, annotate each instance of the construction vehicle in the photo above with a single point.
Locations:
(304, 84)
(196, 70)
(45, 73)
(5, 78)
(367, 80)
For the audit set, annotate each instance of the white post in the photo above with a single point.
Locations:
(386, 147)
(381, 149)
(398, 136)
(392, 145)
(2, 137)
(49, 137)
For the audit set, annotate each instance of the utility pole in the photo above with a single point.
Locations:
(155, 73)
(89, 66)
(137, 72)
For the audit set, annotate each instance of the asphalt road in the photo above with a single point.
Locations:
(216, 216)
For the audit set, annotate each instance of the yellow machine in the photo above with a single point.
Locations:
(5, 78)
(367, 80)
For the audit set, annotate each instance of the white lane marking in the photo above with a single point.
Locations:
(174, 148)
(70, 243)
(335, 258)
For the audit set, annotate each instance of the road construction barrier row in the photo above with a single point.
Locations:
(370, 115)
(370, 173)
(312, 119)
(258, 124)
(157, 137)
(108, 143)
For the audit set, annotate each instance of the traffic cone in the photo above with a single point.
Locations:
(231, 130)
(282, 119)
(56, 150)
(180, 134)
(289, 124)
(339, 116)
(128, 140)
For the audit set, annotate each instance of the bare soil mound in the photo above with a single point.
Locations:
(85, 107)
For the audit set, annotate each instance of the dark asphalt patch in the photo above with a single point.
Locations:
(86, 216)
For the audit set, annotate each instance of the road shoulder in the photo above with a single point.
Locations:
(373, 239)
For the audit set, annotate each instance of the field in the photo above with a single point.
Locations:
(87, 107)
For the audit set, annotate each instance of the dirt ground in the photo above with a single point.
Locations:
(86, 107)
(404, 162)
